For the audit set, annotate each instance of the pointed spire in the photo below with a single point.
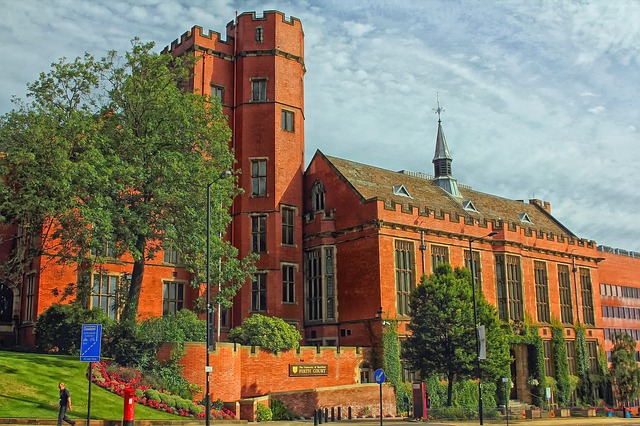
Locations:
(442, 151)
(442, 159)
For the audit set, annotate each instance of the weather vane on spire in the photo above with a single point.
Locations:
(439, 109)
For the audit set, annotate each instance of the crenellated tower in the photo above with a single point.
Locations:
(258, 72)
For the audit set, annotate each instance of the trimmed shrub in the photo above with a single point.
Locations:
(59, 328)
(270, 333)
(280, 411)
(263, 413)
(152, 394)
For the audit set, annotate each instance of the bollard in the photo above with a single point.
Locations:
(333, 414)
(319, 415)
(339, 413)
(349, 413)
(315, 417)
(326, 415)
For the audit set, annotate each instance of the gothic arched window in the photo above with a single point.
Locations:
(317, 197)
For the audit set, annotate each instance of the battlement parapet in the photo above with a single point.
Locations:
(511, 226)
(266, 15)
(196, 36)
(213, 43)
(299, 351)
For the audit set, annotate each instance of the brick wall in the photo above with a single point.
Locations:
(362, 398)
(243, 373)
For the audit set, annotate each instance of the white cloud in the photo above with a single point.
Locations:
(517, 80)
(357, 29)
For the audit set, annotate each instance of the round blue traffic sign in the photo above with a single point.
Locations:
(379, 376)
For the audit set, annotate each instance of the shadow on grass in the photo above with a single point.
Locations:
(30, 401)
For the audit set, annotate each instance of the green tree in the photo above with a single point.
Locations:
(271, 333)
(624, 369)
(442, 329)
(117, 152)
(49, 162)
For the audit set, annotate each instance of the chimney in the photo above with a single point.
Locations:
(544, 204)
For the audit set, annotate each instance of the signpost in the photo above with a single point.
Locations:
(505, 380)
(90, 344)
(379, 378)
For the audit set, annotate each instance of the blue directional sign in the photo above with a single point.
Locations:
(90, 342)
(379, 376)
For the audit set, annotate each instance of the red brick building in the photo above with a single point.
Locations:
(342, 244)
(258, 72)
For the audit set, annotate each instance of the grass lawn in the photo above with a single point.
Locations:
(29, 389)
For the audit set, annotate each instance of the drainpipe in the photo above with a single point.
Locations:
(575, 283)
(422, 248)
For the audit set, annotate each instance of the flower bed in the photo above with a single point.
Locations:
(604, 412)
(116, 379)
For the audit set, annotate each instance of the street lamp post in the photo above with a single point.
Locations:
(219, 310)
(475, 319)
(207, 368)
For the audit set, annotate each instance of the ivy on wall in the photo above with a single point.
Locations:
(561, 363)
(529, 335)
(601, 380)
(585, 394)
(391, 347)
(392, 366)
(537, 370)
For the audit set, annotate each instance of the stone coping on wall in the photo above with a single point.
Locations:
(326, 388)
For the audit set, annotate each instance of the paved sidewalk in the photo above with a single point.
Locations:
(565, 421)
(558, 421)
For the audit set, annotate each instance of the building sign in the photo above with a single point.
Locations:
(302, 370)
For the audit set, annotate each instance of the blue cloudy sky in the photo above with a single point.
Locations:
(541, 98)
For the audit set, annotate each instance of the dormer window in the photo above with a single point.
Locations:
(401, 190)
(525, 218)
(317, 197)
(468, 205)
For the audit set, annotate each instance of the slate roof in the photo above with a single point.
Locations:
(371, 182)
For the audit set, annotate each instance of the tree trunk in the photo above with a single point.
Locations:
(130, 311)
(450, 377)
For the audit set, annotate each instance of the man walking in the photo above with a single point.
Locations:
(65, 404)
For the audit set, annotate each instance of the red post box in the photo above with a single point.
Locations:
(128, 416)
